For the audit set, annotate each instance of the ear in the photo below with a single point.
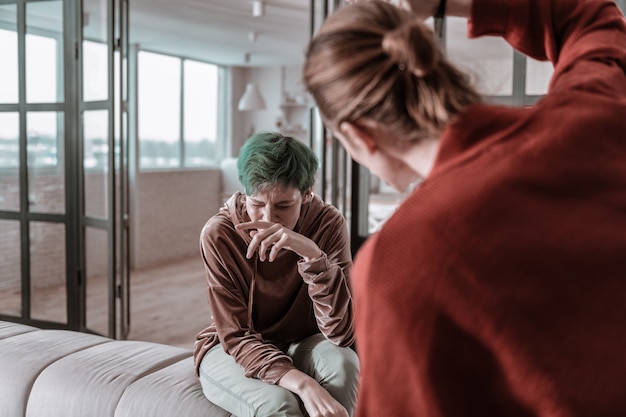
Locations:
(308, 195)
(359, 133)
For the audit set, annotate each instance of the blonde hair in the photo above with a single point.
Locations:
(374, 60)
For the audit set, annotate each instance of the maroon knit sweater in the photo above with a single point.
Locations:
(498, 288)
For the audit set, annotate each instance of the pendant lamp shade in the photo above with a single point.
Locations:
(251, 99)
(258, 8)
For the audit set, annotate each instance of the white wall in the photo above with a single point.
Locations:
(238, 78)
(271, 82)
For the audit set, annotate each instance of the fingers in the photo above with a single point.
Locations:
(268, 239)
(268, 243)
(257, 230)
(254, 225)
(263, 240)
(276, 247)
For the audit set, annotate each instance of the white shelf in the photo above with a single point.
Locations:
(293, 109)
(295, 116)
(292, 131)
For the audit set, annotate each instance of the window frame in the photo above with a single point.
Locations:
(57, 106)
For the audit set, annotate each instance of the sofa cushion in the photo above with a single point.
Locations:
(61, 373)
(24, 355)
(159, 394)
(8, 329)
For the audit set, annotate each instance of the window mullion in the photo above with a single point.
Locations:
(182, 114)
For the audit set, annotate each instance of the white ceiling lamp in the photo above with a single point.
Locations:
(258, 8)
(251, 99)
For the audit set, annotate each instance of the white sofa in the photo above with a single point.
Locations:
(61, 373)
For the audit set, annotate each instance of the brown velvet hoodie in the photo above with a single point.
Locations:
(260, 307)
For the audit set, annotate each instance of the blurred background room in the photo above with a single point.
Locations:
(120, 124)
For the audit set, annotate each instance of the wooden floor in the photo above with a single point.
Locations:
(168, 303)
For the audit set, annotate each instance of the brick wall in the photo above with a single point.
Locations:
(168, 210)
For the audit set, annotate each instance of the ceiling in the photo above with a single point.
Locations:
(223, 31)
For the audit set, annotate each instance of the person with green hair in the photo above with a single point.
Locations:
(278, 262)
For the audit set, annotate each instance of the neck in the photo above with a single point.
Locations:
(421, 156)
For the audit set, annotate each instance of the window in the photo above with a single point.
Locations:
(487, 60)
(41, 70)
(44, 85)
(95, 71)
(177, 112)
(494, 68)
(200, 113)
(8, 69)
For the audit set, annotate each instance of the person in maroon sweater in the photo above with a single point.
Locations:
(498, 288)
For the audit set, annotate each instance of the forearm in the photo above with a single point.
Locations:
(258, 359)
(332, 300)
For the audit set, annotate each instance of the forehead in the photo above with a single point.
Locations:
(276, 194)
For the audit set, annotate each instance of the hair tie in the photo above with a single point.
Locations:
(401, 67)
(441, 10)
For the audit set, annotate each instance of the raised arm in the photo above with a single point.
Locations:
(576, 36)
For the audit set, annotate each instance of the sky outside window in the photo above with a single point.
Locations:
(8, 69)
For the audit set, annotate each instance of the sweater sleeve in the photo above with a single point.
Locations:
(328, 283)
(572, 34)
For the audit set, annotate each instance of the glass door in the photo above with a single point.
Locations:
(62, 165)
(36, 227)
(103, 166)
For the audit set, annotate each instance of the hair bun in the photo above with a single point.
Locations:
(412, 46)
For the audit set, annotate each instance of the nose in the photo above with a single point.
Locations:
(268, 213)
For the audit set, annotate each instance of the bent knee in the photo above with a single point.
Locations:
(345, 366)
(281, 403)
(350, 364)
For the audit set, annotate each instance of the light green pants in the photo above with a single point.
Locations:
(335, 368)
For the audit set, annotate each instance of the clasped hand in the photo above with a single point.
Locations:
(274, 237)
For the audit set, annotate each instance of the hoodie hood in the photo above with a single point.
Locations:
(235, 209)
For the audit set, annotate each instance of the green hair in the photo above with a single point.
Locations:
(268, 159)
